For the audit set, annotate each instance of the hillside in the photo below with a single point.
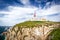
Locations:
(31, 30)
(54, 35)
(35, 23)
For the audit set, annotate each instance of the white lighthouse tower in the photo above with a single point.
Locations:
(35, 18)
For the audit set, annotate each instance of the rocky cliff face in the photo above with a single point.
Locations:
(37, 32)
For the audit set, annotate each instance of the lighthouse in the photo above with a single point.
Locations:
(34, 16)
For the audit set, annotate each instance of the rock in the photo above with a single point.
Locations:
(37, 32)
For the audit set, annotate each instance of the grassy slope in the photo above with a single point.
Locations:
(33, 23)
(56, 34)
(29, 23)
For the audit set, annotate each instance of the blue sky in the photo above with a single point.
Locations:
(16, 11)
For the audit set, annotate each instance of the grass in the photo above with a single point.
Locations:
(29, 23)
(33, 23)
(55, 34)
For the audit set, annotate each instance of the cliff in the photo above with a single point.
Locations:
(31, 30)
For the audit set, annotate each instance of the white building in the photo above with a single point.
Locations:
(35, 18)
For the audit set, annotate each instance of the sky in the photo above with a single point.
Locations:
(17, 11)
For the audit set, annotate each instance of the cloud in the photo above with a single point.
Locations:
(54, 17)
(18, 14)
(49, 11)
(25, 2)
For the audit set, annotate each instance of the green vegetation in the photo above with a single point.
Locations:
(55, 34)
(29, 23)
(2, 37)
(34, 23)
